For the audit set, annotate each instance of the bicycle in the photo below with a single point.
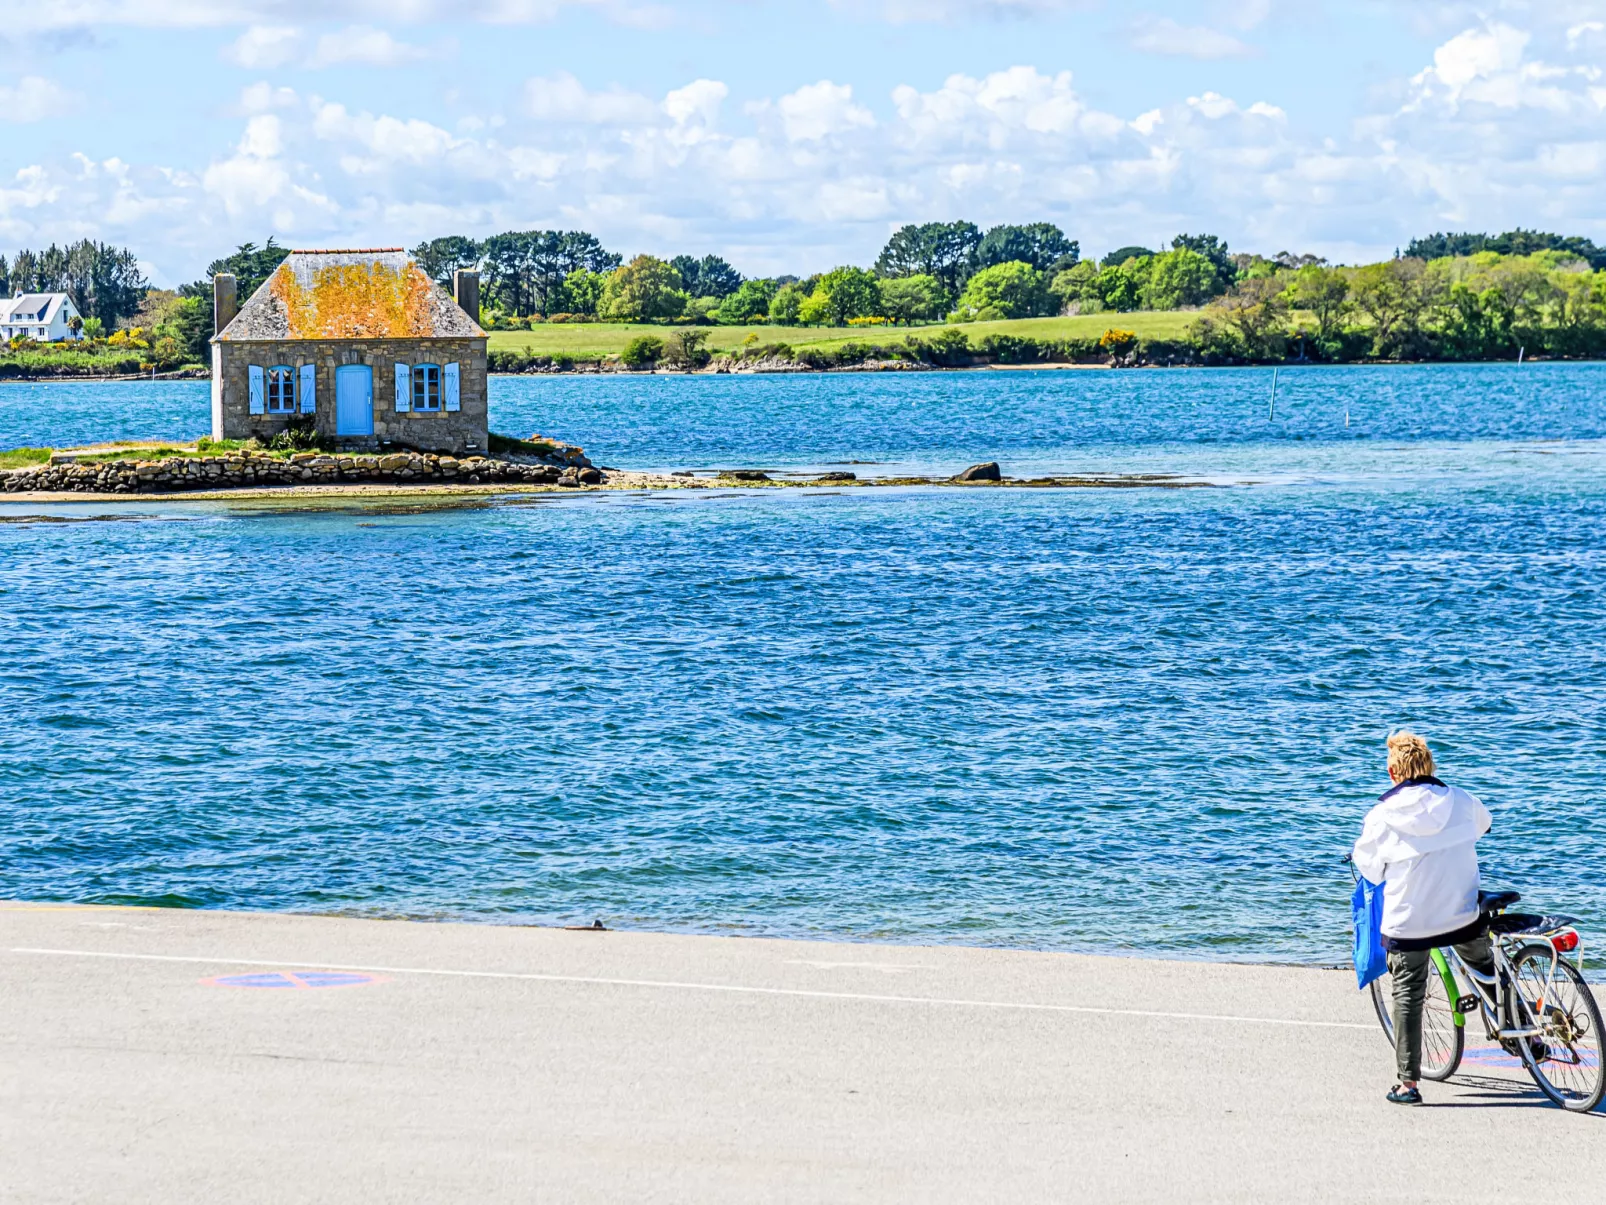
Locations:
(1533, 1002)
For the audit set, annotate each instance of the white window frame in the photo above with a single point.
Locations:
(427, 387)
(281, 389)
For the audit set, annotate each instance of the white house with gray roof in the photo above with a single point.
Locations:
(42, 317)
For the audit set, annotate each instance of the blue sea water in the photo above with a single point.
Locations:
(1141, 720)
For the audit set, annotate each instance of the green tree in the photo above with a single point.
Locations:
(1392, 296)
(1179, 278)
(946, 250)
(1324, 292)
(1077, 286)
(917, 298)
(188, 322)
(710, 276)
(1041, 244)
(583, 290)
(1256, 311)
(645, 290)
(1121, 254)
(642, 351)
(101, 280)
(440, 257)
(685, 350)
(1010, 290)
(525, 270)
(1120, 286)
(1213, 249)
(842, 293)
(787, 305)
(749, 303)
(250, 266)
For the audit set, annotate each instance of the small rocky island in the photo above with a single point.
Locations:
(181, 469)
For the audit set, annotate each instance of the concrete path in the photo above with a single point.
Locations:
(170, 1056)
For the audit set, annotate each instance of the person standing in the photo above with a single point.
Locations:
(1420, 842)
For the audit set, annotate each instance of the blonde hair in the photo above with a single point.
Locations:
(1409, 756)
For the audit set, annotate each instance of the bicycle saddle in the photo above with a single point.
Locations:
(1495, 901)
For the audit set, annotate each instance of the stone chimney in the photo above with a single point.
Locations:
(466, 291)
(225, 301)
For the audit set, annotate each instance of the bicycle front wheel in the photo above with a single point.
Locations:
(1442, 1039)
(1565, 1058)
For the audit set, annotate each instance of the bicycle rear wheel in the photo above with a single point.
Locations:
(1565, 1059)
(1442, 1039)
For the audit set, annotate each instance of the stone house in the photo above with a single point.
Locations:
(361, 342)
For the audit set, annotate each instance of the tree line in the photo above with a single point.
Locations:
(1449, 296)
(104, 282)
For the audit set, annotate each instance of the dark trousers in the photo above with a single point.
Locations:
(1410, 969)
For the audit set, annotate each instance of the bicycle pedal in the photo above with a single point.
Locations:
(1467, 1005)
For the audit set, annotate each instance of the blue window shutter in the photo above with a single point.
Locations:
(404, 389)
(259, 397)
(309, 388)
(449, 387)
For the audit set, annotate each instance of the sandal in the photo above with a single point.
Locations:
(1400, 1095)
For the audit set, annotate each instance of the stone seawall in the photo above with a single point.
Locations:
(176, 474)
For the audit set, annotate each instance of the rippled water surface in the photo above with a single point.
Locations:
(1096, 719)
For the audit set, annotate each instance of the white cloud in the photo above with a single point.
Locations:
(1488, 66)
(1498, 124)
(562, 98)
(367, 46)
(990, 108)
(1162, 35)
(264, 47)
(698, 101)
(34, 98)
(262, 96)
(817, 111)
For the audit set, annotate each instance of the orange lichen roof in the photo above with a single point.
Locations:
(374, 294)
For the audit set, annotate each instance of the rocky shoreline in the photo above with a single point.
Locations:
(244, 470)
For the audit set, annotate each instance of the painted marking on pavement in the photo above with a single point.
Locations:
(298, 980)
(733, 988)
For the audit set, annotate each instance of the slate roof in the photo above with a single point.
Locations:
(368, 294)
(31, 307)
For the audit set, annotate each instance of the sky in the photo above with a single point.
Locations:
(794, 137)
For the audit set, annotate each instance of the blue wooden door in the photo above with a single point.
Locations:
(354, 400)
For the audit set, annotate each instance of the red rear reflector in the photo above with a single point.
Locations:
(1566, 941)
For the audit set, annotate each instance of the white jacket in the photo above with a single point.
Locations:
(1420, 842)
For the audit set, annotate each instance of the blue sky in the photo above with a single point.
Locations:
(793, 137)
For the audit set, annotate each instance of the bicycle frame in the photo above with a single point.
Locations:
(1496, 990)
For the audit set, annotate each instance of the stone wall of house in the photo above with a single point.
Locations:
(234, 470)
(455, 432)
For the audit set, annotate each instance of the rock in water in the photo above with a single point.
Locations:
(837, 477)
(745, 475)
(981, 472)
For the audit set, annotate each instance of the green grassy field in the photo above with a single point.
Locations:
(595, 339)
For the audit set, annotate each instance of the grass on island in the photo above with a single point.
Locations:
(21, 458)
(594, 340)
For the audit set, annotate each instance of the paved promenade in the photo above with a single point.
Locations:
(169, 1056)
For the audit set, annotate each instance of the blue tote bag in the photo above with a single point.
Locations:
(1371, 960)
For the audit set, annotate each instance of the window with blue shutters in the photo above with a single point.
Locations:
(281, 390)
(426, 386)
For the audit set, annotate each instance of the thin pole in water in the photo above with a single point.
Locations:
(1271, 411)
(1520, 350)
(1346, 418)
